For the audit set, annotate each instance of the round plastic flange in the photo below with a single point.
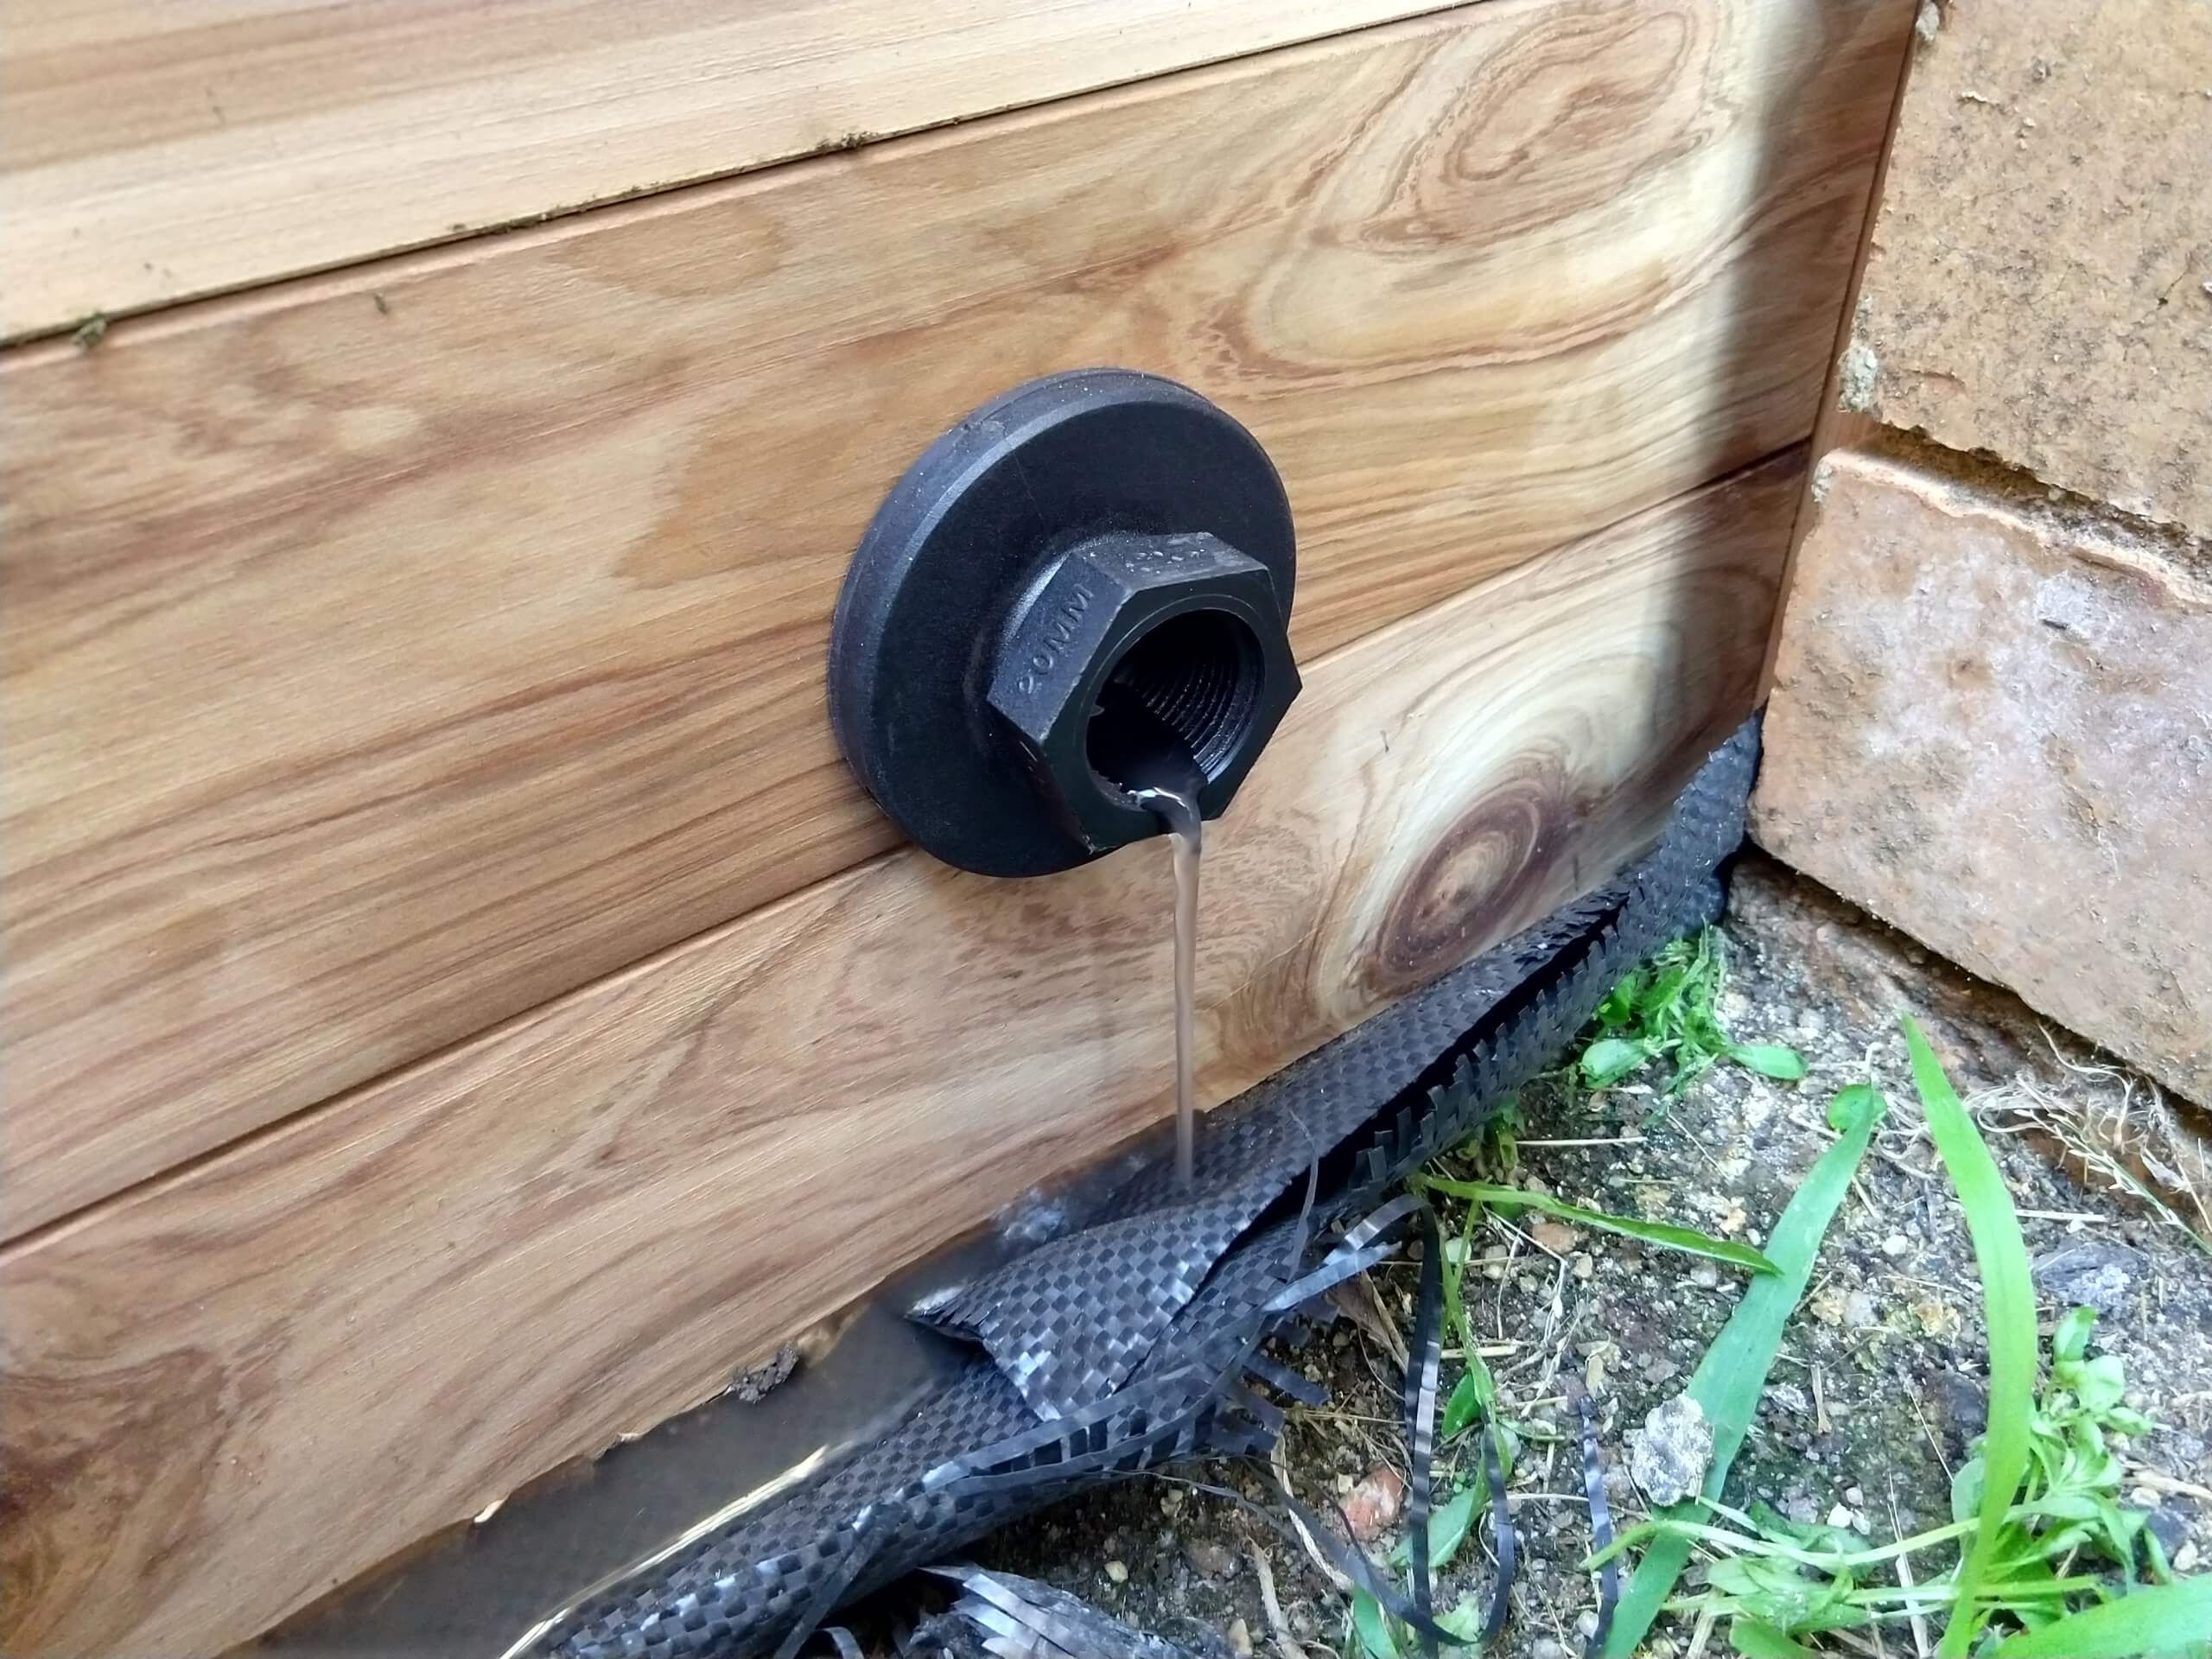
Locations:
(959, 540)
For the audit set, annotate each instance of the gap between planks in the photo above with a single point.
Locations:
(763, 917)
(520, 132)
(401, 812)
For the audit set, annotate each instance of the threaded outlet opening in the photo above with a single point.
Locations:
(1198, 674)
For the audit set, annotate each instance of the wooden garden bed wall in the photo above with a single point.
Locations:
(457, 1007)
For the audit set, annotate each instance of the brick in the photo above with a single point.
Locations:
(1992, 726)
(2039, 283)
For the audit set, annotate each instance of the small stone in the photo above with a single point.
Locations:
(1240, 1639)
(1118, 1572)
(1960, 1404)
(1620, 1491)
(1667, 1457)
(1345, 1483)
(1799, 1507)
(1586, 1266)
(2185, 1558)
(1593, 1366)
(1895, 1245)
(753, 1386)
(1554, 1236)
(1705, 1277)
(1660, 1368)
(1860, 1312)
(2168, 1526)
(1856, 1497)
(1212, 1558)
(1374, 1503)
(1938, 1319)
(1790, 1397)
(2096, 1271)
(1586, 1624)
(1546, 1648)
(1840, 1515)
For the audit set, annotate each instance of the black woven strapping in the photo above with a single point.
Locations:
(1124, 1346)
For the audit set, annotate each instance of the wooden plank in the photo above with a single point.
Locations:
(385, 655)
(1835, 426)
(138, 170)
(237, 1386)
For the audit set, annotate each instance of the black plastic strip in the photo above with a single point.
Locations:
(1601, 1516)
(832, 1589)
(1501, 1527)
(1283, 1380)
(1345, 1264)
(1346, 1559)
(1355, 1565)
(1422, 1366)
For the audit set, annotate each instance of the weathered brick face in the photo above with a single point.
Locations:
(2039, 283)
(1992, 717)
(1992, 726)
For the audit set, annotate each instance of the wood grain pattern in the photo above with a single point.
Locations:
(137, 169)
(235, 1387)
(384, 656)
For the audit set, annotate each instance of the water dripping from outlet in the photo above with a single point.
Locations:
(1151, 760)
(1179, 810)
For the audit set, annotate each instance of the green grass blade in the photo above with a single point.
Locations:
(1461, 1409)
(1372, 1627)
(1776, 1061)
(1732, 1376)
(2008, 1300)
(1756, 1639)
(2168, 1618)
(1447, 1531)
(1652, 1232)
(1475, 1395)
(1611, 1058)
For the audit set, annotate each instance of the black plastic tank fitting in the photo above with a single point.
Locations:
(1087, 575)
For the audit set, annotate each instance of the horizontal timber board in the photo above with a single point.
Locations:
(384, 656)
(139, 167)
(233, 1387)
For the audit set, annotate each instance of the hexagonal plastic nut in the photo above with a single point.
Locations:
(1183, 626)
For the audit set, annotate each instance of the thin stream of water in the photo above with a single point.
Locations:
(1178, 810)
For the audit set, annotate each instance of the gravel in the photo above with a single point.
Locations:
(1878, 1387)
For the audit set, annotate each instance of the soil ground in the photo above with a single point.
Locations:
(1880, 1383)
